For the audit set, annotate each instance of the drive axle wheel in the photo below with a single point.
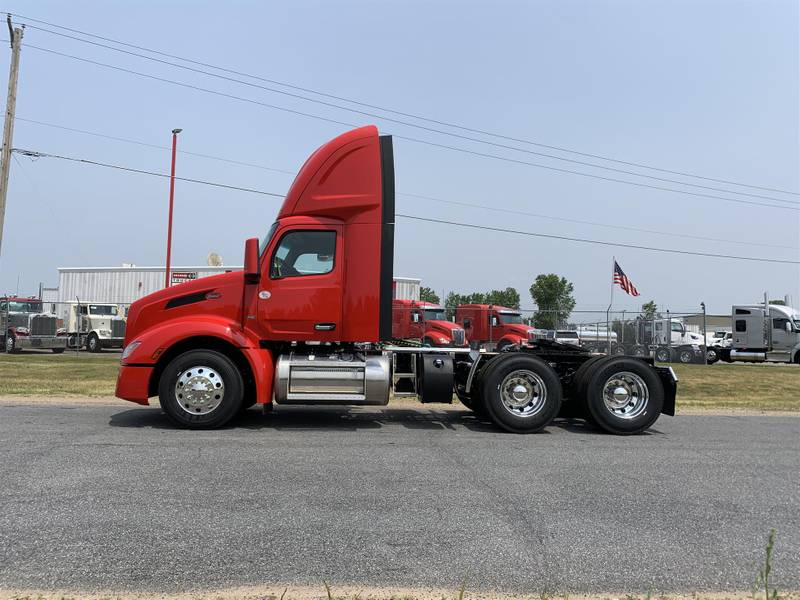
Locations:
(624, 396)
(521, 393)
(686, 356)
(663, 355)
(201, 389)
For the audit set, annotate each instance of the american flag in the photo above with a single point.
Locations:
(623, 281)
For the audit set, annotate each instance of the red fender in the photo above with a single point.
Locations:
(154, 342)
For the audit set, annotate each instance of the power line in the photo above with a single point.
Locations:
(406, 114)
(414, 125)
(593, 223)
(156, 146)
(419, 196)
(35, 154)
(600, 242)
(407, 138)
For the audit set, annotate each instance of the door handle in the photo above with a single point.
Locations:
(325, 326)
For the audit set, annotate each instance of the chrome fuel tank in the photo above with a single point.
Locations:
(341, 378)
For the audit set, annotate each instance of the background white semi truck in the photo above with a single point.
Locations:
(94, 325)
(763, 333)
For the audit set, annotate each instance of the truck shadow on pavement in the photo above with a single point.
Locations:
(344, 418)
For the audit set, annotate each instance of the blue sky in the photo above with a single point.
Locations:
(707, 87)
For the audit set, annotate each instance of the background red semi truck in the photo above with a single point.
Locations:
(425, 321)
(309, 321)
(498, 325)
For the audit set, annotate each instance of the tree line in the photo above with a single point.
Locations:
(552, 294)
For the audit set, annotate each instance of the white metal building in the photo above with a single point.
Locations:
(123, 285)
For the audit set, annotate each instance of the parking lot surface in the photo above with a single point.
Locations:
(113, 497)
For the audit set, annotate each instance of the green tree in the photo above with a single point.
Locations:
(650, 310)
(508, 297)
(778, 302)
(427, 294)
(553, 297)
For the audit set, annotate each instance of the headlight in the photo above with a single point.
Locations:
(105, 332)
(695, 347)
(129, 349)
(444, 340)
(23, 330)
(61, 331)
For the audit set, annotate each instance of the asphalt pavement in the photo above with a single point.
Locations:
(113, 497)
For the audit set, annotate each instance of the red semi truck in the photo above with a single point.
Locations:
(425, 321)
(309, 321)
(497, 326)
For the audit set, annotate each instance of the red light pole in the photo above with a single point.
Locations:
(175, 133)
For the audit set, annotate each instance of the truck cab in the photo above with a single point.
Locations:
(764, 333)
(495, 327)
(425, 321)
(94, 325)
(25, 324)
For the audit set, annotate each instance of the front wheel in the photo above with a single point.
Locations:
(521, 393)
(624, 396)
(663, 355)
(93, 343)
(201, 389)
(58, 350)
(686, 356)
(11, 344)
(712, 355)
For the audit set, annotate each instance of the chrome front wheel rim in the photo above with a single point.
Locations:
(199, 390)
(523, 393)
(625, 395)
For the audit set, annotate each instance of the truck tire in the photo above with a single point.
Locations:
(502, 345)
(624, 395)
(686, 356)
(11, 344)
(427, 342)
(521, 393)
(663, 354)
(712, 355)
(201, 389)
(639, 351)
(58, 350)
(93, 343)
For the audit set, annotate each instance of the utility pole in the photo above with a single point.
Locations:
(8, 128)
(175, 133)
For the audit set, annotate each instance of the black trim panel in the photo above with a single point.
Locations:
(387, 238)
(187, 299)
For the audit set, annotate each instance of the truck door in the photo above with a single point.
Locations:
(780, 338)
(300, 293)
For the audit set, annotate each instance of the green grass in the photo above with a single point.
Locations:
(739, 387)
(63, 375)
(717, 387)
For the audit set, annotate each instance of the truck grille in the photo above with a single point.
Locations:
(117, 328)
(43, 325)
(458, 337)
(534, 336)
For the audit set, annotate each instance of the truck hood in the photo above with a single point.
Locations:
(445, 327)
(517, 328)
(220, 295)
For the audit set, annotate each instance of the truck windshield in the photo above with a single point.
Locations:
(25, 307)
(103, 310)
(511, 318)
(435, 314)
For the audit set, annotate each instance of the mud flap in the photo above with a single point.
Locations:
(670, 382)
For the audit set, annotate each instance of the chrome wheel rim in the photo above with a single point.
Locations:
(523, 393)
(686, 357)
(9, 344)
(625, 395)
(199, 390)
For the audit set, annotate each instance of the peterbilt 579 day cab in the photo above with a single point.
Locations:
(495, 327)
(24, 324)
(763, 333)
(426, 322)
(309, 321)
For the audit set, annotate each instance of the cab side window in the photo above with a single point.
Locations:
(303, 253)
(741, 326)
(779, 323)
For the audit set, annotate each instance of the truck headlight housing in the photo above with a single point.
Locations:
(23, 331)
(129, 349)
(443, 340)
(105, 332)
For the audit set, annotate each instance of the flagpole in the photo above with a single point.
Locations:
(610, 303)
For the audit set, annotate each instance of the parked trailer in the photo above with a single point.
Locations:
(24, 325)
(425, 322)
(763, 333)
(309, 321)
